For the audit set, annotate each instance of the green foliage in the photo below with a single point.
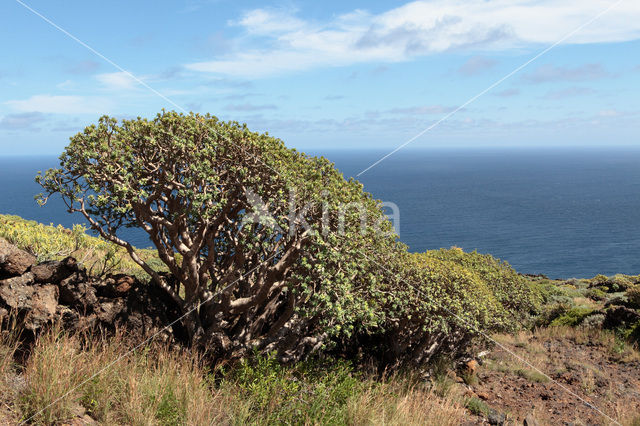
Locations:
(343, 284)
(509, 288)
(293, 395)
(548, 293)
(48, 242)
(596, 294)
(633, 334)
(572, 317)
(593, 321)
(477, 407)
(633, 295)
(615, 284)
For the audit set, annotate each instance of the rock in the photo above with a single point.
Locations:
(61, 291)
(124, 283)
(472, 366)
(75, 291)
(54, 271)
(36, 304)
(14, 261)
(482, 395)
(530, 420)
(496, 418)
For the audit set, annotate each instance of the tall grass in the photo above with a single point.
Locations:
(62, 379)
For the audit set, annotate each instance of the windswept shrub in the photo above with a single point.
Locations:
(273, 250)
(596, 294)
(442, 300)
(617, 283)
(510, 289)
(633, 295)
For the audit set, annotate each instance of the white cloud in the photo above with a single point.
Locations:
(266, 22)
(569, 92)
(250, 107)
(414, 29)
(117, 80)
(422, 110)
(62, 104)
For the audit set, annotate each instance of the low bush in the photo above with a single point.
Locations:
(49, 242)
(633, 296)
(477, 406)
(596, 294)
(440, 301)
(572, 317)
(615, 284)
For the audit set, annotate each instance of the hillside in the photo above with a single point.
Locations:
(577, 348)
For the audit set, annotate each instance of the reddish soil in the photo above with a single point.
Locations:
(606, 377)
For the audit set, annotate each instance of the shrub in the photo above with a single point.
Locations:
(572, 317)
(550, 312)
(248, 276)
(441, 300)
(477, 406)
(48, 242)
(596, 294)
(294, 277)
(593, 321)
(633, 295)
(613, 284)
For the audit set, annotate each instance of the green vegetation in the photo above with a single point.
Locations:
(477, 406)
(633, 295)
(572, 317)
(324, 272)
(49, 242)
(292, 279)
(167, 387)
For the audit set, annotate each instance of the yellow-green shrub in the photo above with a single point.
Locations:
(633, 295)
(49, 242)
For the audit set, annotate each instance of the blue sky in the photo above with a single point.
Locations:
(325, 75)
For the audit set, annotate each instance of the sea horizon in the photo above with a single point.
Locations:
(563, 212)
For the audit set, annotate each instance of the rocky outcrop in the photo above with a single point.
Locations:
(38, 295)
(14, 261)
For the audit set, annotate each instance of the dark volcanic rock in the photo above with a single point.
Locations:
(36, 304)
(14, 261)
(61, 291)
(54, 271)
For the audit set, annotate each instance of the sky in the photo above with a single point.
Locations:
(328, 75)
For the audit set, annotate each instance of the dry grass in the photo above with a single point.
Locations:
(62, 380)
(398, 407)
(153, 387)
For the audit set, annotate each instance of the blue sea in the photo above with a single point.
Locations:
(560, 212)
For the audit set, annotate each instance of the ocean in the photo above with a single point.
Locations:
(559, 212)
